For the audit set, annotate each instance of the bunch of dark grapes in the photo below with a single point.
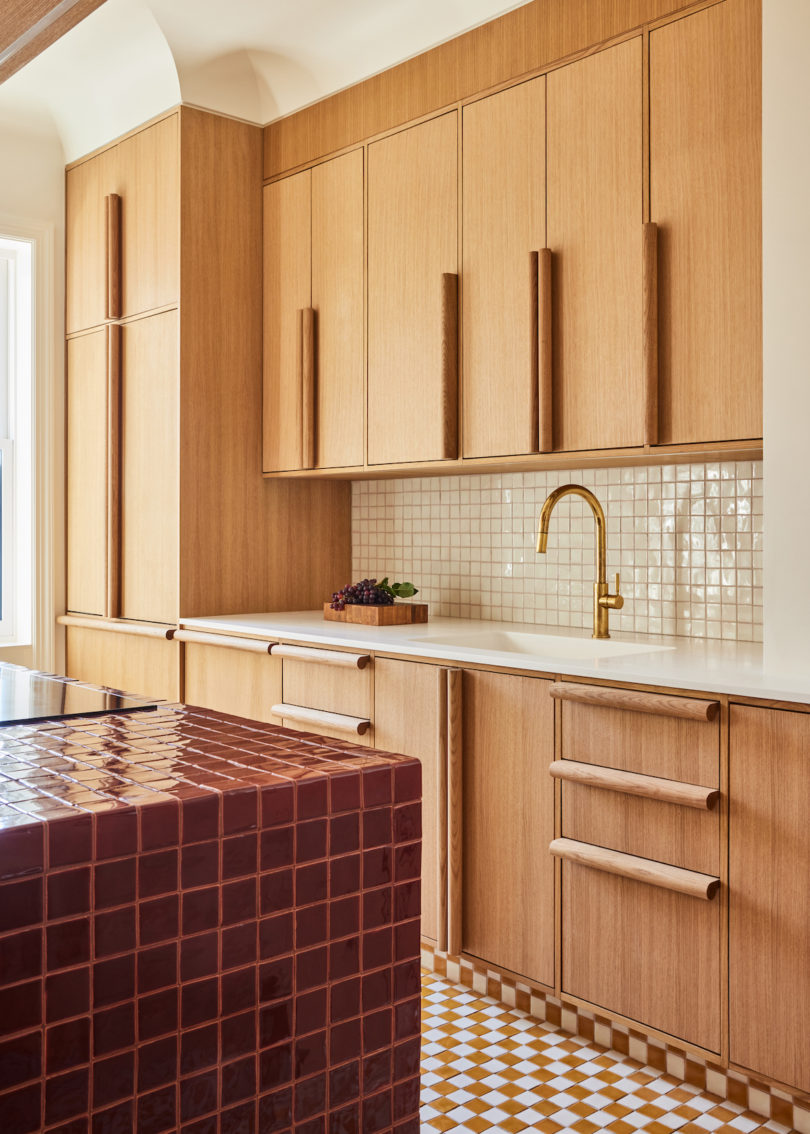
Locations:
(366, 593)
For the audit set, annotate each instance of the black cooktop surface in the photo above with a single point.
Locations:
(26, 695)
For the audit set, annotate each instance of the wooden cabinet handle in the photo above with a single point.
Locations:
(660, 704)
(113, 549)
(650, 331)
(112, 203)
(631, 783)
(306, 371)
(449, 366)
(339, 722)
(455, 811)
(323, 657)
(227, 641)
(545, 442)
(441, 805)
(137, 629)
(675, 878)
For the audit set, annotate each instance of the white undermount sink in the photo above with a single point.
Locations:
(540, 645)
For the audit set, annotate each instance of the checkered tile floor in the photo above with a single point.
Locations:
(486, 1067)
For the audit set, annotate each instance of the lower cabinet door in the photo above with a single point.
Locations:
(642, 951)
(149, 667)
(232, 681)
(508, 823)
(408, 699)
(769, 893)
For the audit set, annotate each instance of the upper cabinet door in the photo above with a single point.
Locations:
(337, 298)
(595, 217)
(149, 171)
(412, 324)
(138, 244)
(287, 293)
(705, 195)
(504, 223)
(87, 456)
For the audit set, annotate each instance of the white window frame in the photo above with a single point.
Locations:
(27, 630)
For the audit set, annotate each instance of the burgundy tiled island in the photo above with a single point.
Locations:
(207, 925)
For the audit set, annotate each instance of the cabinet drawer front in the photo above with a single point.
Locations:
(335, 689)
(675, 748)
(647, 953)
(134, 663)
(241, 682)
(667, 832)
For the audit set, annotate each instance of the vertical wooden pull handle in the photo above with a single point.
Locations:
(545, 441)
(306, 354)
(441, 808)
(113, 226)
(113, 551)
(449, 366)
(455, 807)
(650, 331)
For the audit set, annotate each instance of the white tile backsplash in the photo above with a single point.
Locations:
(686, 538)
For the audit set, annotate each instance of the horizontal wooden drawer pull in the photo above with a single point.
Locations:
(660, 704)
(324, 657)
(138, 629)
(632, 783)
(357, 726)
(675, 878)
(198, 637)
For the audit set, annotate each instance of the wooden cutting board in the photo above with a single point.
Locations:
(395, 614)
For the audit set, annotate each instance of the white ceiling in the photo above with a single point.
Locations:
(131, 59)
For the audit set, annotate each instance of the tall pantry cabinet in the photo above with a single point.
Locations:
(167, 510)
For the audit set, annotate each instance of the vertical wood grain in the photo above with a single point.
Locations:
(150, 459)
(769, 888)
(148, 667)
(308, 378)
(232, 681)
(508, 883)
(412, 241)
(504, 188)
(338, 282)
(449, 365)
(113, 232)
(705, 195)
(86, 440)
(113, 558)
(287, 290)
(85, 243)
(594, 230)
(649, 316)
(455, 812)
(545, 353)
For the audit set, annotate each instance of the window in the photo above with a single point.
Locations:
(16, 436)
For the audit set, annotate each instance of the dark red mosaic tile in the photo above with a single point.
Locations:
(225, 959)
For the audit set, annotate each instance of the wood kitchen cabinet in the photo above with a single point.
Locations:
(504, 226)
(145, 664)
(168, 512)
(508, 823)
(644, 942)
(314, 332)
(140, 242)
(595, 237)
(705, 196)
(412, 294)
(409, 708)
(239, 679)
(769, 888)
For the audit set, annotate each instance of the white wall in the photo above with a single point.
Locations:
(32, 203)
(786, 316)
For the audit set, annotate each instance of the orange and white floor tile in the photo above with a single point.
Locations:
(488, 1067)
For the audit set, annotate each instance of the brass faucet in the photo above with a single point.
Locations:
(603, 600)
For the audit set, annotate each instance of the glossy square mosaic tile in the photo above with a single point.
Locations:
(207, 925)
(489, 1067)
(686, 538)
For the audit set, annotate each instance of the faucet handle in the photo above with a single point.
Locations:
(618, 588)
(613, 602)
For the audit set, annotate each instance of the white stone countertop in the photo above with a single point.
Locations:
(704, 665)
